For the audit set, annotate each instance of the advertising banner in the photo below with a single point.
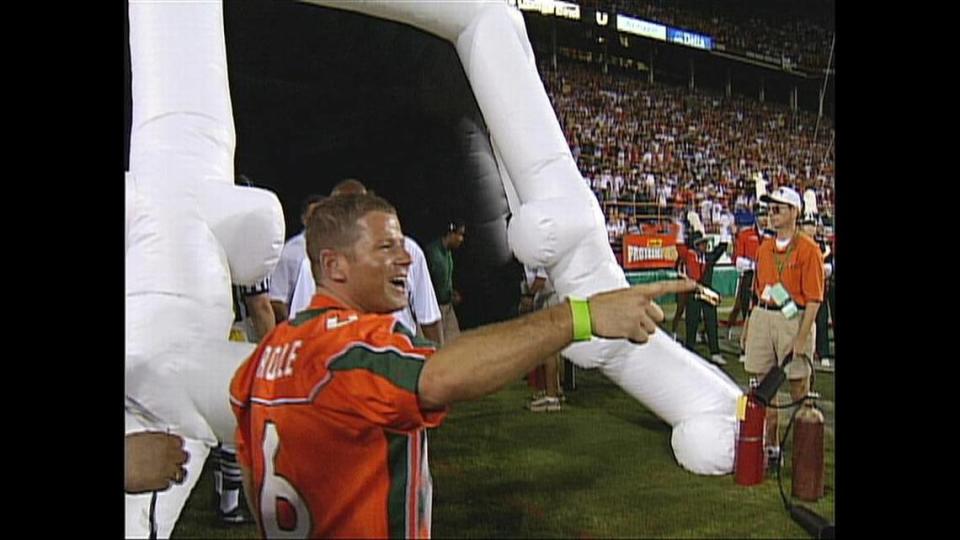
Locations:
(651, 250)
(690, 39)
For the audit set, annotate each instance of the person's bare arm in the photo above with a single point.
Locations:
(280, 311)
(482, 361)
(261, 314)
(433, 332)
(153, 460)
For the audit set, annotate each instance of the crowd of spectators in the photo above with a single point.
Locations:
(652, 151)
(800, 31)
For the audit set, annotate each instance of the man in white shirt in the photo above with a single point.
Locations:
(303, 289)
(283, 280)
(422, 310)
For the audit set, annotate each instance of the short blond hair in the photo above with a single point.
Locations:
(333, 222)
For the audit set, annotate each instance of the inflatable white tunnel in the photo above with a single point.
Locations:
(557, 222)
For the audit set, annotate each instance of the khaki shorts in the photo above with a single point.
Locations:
(770, 338)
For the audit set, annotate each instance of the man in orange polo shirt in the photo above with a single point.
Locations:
(789, 284)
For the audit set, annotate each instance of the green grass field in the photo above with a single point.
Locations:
(601, 467)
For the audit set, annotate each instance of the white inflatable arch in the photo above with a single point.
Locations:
(190, 232)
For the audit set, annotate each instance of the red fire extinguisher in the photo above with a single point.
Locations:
(808, 463)
(748, 464)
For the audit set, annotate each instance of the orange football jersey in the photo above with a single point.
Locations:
(330, 426)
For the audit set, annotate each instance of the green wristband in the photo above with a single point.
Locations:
(582, 329)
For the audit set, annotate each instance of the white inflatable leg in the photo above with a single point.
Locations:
(559, 223)
(692, 395)
(188, 226)
(560, 226)
(178, 193)
(182, 134)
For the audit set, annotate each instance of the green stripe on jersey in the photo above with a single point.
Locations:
(402, 371)
(399, 328)
(398, 462)
(307, 315)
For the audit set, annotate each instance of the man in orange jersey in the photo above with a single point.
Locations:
(332, 406)
(789, 284)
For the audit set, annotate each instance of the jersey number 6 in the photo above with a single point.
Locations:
(283, 513)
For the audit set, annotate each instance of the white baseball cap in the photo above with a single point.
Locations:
(784, 195)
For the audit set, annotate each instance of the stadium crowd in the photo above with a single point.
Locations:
(656, 150)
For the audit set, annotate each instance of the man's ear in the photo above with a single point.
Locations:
(334, 264)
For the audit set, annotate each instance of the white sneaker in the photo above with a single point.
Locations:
(743, 359)
(825, 362)
(718, 359)
(544, 404)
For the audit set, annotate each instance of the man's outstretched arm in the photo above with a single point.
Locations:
(482, 361)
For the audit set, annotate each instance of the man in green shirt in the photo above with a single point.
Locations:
(440, 263)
